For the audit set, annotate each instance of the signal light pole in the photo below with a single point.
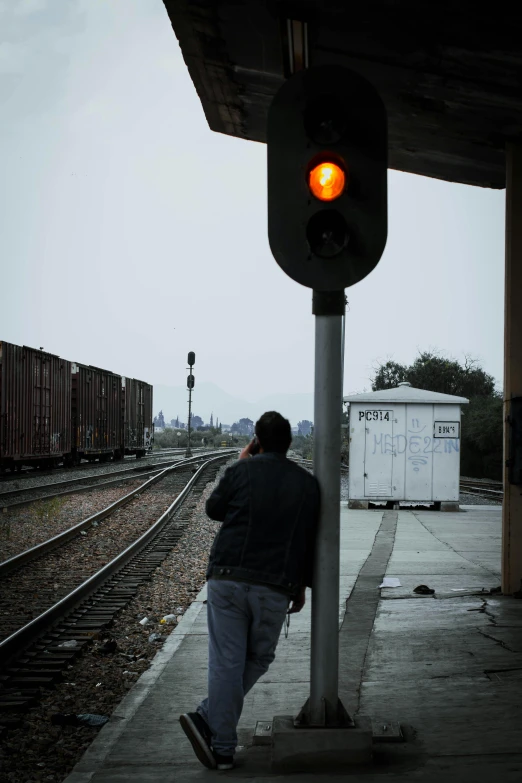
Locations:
(327, 153)
(324, 707)
(191, 360)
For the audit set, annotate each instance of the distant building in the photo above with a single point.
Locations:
(159, 421)
(305, 427)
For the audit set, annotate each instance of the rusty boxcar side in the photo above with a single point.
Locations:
(35, 407)
(138, 432)
(96, 413)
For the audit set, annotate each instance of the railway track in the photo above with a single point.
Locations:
(15, 498)
(34, 473)
(309, 463)
(75, 583)
(482, 488)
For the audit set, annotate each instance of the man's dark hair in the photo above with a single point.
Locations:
(274, 432)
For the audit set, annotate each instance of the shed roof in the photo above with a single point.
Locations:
(450, 74)
(407, 394)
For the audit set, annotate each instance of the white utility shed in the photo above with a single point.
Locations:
(404, 445)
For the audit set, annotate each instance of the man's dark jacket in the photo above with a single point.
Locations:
(269, 507)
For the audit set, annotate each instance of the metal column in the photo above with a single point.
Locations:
(188, 452)
(191, 358)
(512, 503)
(324, 707)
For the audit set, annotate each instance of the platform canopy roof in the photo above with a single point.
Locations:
(404, 393)
(450, 73)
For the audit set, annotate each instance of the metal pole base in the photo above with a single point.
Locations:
(332, 717)
(188, 453)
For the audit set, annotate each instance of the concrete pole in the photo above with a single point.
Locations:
(512, 504)
(324, 672)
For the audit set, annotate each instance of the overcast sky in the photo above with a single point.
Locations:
(131, 233)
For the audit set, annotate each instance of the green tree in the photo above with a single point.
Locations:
(303, 445)
(169, 439)
(388, 376)
(437, 373)
(482, 437)
(305, 427)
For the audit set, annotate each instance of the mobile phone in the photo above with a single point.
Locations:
(254, 448)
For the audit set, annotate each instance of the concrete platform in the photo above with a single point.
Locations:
(447, 666)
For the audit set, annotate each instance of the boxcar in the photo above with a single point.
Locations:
(35, 407)
(96, 414)
(138, 432)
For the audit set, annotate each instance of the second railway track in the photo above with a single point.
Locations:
(482, 488)
(20, 496)
(35, 474)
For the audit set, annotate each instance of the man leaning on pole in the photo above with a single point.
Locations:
(260, 564)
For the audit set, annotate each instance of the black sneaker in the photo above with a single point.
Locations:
(224, 762)
(197, 730)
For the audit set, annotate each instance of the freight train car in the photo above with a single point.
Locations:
(35, 404)
(138, 427)
(96, 414)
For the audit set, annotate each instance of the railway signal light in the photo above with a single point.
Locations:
(327, 180)
(327, 177)
(190, 381)
(191, 359)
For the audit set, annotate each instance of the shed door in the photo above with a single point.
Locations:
(419, 452)
(378, 453)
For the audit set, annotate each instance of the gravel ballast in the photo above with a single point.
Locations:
(85, 471)
(95, 683)
(475, 500)
(28, 526)
(45, 581)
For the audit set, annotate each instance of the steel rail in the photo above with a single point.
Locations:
(14, 644)
(95, 477)
(491, 494)
(77, 485)
(10, 565)
(29, 473)
(310, 463)
(479, 484)
(73, 490)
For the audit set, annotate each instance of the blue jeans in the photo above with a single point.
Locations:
(244, 623)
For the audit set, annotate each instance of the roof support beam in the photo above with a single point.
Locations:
(512, 504)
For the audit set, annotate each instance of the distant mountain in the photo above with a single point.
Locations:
(208, 398)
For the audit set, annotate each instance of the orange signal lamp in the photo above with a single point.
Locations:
(327, 181)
